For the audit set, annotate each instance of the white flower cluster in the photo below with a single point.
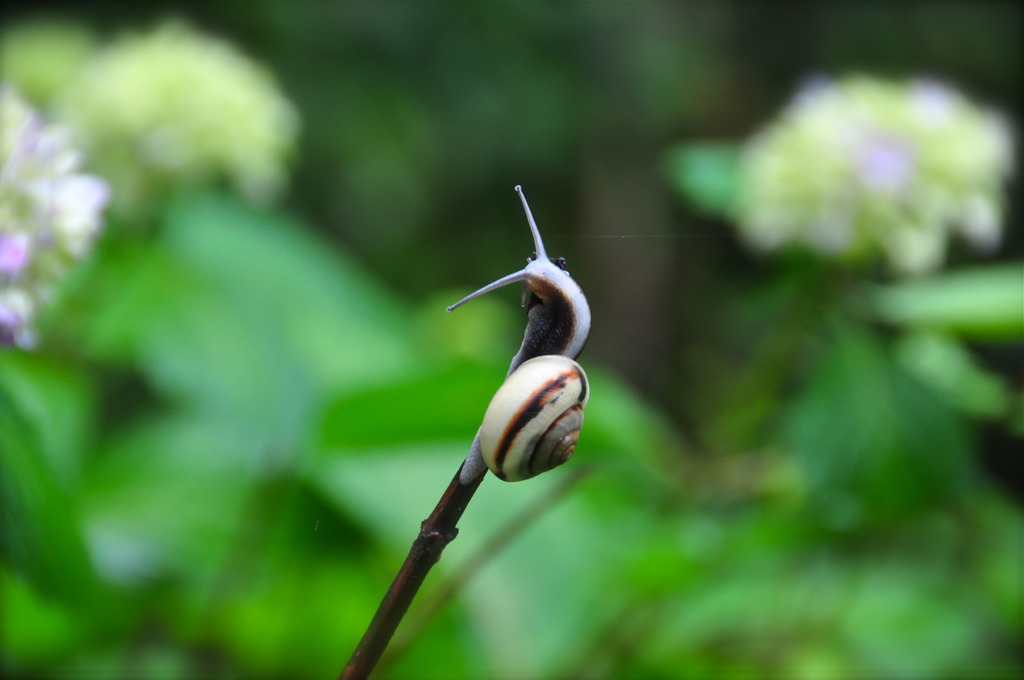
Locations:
(49, 214)
(172, 107)
(860, 166)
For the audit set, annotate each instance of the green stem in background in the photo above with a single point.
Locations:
(436, 532)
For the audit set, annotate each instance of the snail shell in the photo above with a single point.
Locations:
(534, 419)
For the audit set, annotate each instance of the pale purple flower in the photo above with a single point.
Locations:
(14, 253)
(50, 214)
(885, 164)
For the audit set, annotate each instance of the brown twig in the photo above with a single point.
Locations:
(500, 538)
(436, 532)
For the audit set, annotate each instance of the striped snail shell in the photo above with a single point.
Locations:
(557, 328)
(534, 420)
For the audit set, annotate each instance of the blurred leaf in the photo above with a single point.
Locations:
(446, 404)
(199, 353)
(303, 622)
(985, 303)
(58, 404)
(905, 622)
(1000, 554)
(944, 364)
(482, 332)
(388, 490)
(35, 630)
(707, 175)
(40, 536)
(244, 317)
(872, 440)
(620, 421)
(763, 589)
(336, 320)
(165, 499)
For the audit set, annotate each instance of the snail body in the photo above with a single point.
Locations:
(534, 419)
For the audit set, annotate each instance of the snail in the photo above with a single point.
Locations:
(533, 421)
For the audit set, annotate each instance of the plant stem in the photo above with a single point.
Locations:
(436, 532)
(498, 540)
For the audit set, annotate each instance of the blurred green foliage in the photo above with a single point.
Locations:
(238, 414)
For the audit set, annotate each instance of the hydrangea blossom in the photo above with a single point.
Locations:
(861, 166)
(49, 214)
(172, 107)
(42, 57)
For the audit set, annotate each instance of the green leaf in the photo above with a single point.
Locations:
(944, 364)
(707, 175)
(35, 629)
(302, 622)
(57, 403)
(243, 316)
(872, 440)
(907, 621)
(446, 404)
(165, 498)
(985, 303)
(40, 536)
(334, 319)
